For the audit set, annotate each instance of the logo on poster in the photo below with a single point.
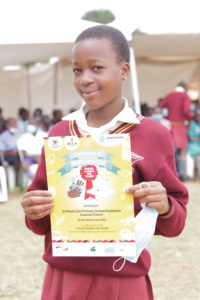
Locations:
(71, 142)
(55, 143)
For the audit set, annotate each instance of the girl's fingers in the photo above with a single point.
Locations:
(37, 193)
(146, 188)
(40, 215)
(153, 198)
(149, 191)
(152, 193)
(142, 186)
(29, 202)
(161, 206)
(37, 208)
(37, 204)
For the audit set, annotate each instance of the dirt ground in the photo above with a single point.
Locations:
(175, 271)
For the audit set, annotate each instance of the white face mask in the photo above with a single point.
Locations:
(32, 128)
(145, 224)
(13, 130)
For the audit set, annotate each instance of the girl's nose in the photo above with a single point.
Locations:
(86, 78)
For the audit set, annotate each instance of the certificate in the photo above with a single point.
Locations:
(92, 215)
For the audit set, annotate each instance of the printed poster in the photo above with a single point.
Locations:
(92, 215)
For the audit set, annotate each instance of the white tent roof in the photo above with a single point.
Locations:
(18, 47)
(152, 51)
(17, 54)
(163, 60)
(167, 46)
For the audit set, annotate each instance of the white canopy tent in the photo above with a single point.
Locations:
(163, 60)
(49, 85)
(46, 86)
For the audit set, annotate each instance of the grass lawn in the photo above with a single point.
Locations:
(175, 271)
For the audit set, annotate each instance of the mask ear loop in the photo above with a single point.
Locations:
(123, 264)
(124, 259)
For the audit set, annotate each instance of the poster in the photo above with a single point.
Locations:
(92, 215)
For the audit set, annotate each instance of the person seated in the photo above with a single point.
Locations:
(23, 120)
(57, 116)
(31, 147)
(157, 114)
(145, 109)
(193, 151)
(8, 147)
(37, 116)
(44, 128)
(2, 121)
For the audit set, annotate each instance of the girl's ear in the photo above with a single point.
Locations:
(125, 70)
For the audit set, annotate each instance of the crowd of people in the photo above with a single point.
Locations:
(21, 138)
(21, 141)
(181, 116)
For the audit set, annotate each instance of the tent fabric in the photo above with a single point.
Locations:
(14, 92)
(17, 54)
(155, 81)
(164, 60)
(44, 92)
(172, 46)
(161, 62)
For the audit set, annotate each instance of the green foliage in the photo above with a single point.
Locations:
(103, 16)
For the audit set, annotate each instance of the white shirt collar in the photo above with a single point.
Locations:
(126, 115)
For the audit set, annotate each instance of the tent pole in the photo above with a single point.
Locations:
(55, 84)
(134, 82)
(28, 84)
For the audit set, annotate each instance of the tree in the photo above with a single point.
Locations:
(103, 16)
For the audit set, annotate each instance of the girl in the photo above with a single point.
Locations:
(100, 61)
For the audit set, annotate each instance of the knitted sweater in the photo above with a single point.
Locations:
(152, 160)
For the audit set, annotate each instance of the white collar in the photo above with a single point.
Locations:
(126, 115)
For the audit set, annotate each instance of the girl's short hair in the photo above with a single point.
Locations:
(116, 37)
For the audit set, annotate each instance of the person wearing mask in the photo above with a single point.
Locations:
(158, 115)
(37, 116)
(30, 147)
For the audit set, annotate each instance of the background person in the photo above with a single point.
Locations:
(9, 148)
(31, 148)
(193, 151)
(178, 105)
(23, 120)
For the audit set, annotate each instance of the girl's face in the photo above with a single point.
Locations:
(98, 75)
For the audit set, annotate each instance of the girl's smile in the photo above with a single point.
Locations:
(87, 94)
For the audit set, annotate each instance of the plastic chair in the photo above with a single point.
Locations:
(3, 185)
(9, 171)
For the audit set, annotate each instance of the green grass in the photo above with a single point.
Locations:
(175, 271)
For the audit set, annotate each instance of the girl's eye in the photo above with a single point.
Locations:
(76, 70)
(97, 68)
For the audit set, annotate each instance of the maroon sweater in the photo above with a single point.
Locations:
(153, 160)
(178, 105)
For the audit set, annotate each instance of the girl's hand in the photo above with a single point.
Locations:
(37, 204)
(153, 194)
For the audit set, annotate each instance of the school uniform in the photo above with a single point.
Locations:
(179, 111)
(152, 160)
